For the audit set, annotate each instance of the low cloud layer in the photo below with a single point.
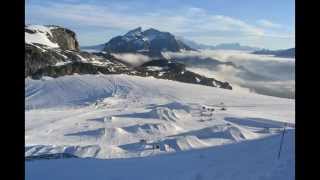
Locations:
(133, 60)
(261, 74)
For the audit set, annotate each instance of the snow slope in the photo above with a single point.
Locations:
(40, 36)
(250, 160)
(121, 116)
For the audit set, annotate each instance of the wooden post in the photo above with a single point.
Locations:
(281, 142)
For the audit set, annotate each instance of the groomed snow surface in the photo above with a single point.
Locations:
(113, 122)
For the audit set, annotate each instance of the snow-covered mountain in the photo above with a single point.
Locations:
(150, 42)
(54, 47)
(54, 51)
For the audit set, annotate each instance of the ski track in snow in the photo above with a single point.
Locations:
(106, 117)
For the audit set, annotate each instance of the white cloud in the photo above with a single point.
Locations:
(191, 22)
(182, 20)
(223, 73)
(132, 59)
(264, 74)
(229, 23)
(269, 24)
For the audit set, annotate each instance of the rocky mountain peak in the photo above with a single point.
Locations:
(152, 31)
(51, 36)
(135, 32)
(150, 42)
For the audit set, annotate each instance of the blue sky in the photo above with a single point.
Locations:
(263, 23)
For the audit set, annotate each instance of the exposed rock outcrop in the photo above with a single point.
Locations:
(164, 69)
(54, 51)
(65, 38)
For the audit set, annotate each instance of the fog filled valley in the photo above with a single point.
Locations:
(262, 74)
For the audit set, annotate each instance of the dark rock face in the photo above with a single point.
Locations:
(29, 31)
(150, 42)
(65, 38)
(40, 61)
(77, 68)
(164, 69)
(36, 59)
(163, 41)
(119, 45)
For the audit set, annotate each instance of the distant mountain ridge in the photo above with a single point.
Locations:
(235, 46)
(225, 46)
(152, 42)
(288, 53)
(93, 48)
(194, 45)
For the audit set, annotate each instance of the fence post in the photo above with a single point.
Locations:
(281, 142)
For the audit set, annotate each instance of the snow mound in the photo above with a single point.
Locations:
(113, 135)
(183, 143)
(176, 106)
(235, 133)
(226, 132)
(164, 114)
(153, 128)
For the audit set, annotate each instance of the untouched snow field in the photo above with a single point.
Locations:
(113, 123)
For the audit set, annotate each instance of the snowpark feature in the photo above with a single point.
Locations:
(112, 122)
